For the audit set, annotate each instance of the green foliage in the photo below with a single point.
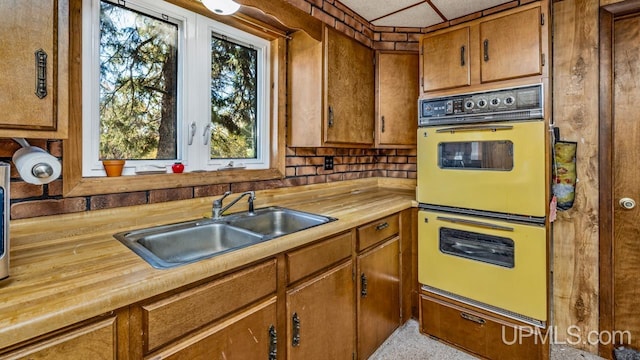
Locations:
(137, 57)
(233, 99)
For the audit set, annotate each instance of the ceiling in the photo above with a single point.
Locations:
(416, 13)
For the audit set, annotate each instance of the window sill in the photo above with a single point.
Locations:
(122, 184)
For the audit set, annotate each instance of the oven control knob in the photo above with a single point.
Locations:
(468, 104)
(509, 100)
(627, 203)
(495, 101)
(482, 103)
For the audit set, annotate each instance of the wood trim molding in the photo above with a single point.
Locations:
(76, 185)
(605, 180)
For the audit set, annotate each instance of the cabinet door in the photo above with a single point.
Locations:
(445, 60)
(349, 90)
(396, 98)
(248, 336)
(511, 46)
(379, 296)
(31, 70)
(321, 317)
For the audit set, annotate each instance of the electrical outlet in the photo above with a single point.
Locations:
(328, 162)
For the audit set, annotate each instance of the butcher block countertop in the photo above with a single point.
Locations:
(69, 268)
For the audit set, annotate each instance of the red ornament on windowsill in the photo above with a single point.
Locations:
(177, 167)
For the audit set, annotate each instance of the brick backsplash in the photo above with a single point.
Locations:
(303, 166)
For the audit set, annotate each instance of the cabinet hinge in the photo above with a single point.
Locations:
(543, 57)
(541, 19)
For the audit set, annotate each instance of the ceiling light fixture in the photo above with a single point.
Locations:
(222, 7)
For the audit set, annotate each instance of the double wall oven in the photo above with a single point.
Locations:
(482, 189)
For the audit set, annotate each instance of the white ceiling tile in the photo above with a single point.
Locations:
(417, 16)
(373, 9)
(452, 9)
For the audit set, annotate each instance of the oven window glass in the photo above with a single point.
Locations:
(480, 247)
(476, 155)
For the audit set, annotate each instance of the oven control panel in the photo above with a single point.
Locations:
(522, 103)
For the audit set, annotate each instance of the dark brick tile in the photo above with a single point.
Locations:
(397, 159)
(290, 171)
(318, 179)
(333, 11)
(294, 161)
(164, 195)
(407, 152)
(335, 177)
(54, 188)
(306, 151)
(29, 209)
(345, 29)
(314, 160)
(21, 190)
(211, 190)
(325, 151)
(408, 46)
(323, 16)
(117, 200)
(301, 4)
(305, 170)
(387, 36)
(384, 45)
(397, 174)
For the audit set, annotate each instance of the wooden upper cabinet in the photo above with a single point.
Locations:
(499, 50)
(445, 60)
(511, 46)
(396, 99)
(349, 91)
(331, 91)
(34, 44)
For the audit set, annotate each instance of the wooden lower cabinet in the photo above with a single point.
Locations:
(250, 335)
(477, 331)
(378, 296)
(97, 339)
(321, 316)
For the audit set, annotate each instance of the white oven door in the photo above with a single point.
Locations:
(490, 167)
(497, 263)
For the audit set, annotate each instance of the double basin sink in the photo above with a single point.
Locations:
(167, 246)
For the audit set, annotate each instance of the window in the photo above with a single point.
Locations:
(162, 84)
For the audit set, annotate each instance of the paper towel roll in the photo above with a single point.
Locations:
(36, 166)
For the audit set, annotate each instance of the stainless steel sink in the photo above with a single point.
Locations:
(172, 245)
(276, 221)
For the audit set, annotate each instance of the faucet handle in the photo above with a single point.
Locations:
(218, 202)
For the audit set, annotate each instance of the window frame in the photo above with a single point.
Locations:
(75, 184)
(193, 98)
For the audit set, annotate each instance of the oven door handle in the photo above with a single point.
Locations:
(492, 128)
(475, 223)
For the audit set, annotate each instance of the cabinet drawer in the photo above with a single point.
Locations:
(93, 341)
(377, 231)
(170, 318)
(310, 259)
(249, 335)
(477, 332)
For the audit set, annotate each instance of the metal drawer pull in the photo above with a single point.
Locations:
(41, 73)
(330, 116)
(295, 340)
(363, 285)
(382, 124)
(273, 343)
(475, 319)
(462, 57)
(475, 128)
(486, 50)
(382, 226)
(475, 223)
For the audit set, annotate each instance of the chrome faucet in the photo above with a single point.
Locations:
(218, 210)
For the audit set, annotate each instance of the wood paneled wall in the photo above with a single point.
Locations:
(575, 112)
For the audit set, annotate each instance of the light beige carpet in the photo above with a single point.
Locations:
(407, 343)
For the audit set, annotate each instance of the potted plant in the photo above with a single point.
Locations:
(113, 163)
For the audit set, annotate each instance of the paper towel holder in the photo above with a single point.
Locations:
(40, 170)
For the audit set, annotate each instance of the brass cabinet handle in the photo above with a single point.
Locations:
(41, 73)
(462, 57)
(473, 318)
(273, 343)
(486, 50)
(382, 226)
(330, 116)
(382, 123)
(295, 340)
(363, 285)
